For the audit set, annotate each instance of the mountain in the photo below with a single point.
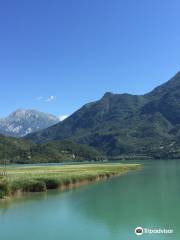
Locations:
(22, 122)
(15, 150)
(125, 125)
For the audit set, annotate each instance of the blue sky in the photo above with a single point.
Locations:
(57, 55)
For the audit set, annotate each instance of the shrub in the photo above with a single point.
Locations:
(4, 188)
(67, 181)
(34, 186)
(52, 183)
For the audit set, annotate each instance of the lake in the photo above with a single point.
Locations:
(108, 210)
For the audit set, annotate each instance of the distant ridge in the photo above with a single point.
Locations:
(122, 125)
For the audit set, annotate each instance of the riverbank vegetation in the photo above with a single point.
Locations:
(17, 179)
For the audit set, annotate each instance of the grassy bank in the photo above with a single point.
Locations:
(40, 178)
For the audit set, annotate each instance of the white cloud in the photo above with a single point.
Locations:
(39, 98)
(51, 98)
(63, 117)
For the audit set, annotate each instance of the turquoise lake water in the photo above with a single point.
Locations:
(108, 210)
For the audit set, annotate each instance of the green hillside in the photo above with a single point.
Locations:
(15, 150)
(122, 125)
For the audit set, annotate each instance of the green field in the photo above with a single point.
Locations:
(40, 178)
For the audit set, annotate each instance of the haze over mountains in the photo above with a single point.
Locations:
(125, 124)
(24, 121)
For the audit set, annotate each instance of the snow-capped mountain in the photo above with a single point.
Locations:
(22, 122)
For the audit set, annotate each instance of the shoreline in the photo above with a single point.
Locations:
(75, 177)
(61, 188)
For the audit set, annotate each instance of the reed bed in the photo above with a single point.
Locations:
(41, 178)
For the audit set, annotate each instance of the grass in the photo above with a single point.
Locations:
(40, 178)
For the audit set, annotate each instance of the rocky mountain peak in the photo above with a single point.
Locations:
(25, 121)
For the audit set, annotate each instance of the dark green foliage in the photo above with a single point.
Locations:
(14, 150)
(52, 183)
(4, 188)
(64, 150)
(34, 186)
(122, 124)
